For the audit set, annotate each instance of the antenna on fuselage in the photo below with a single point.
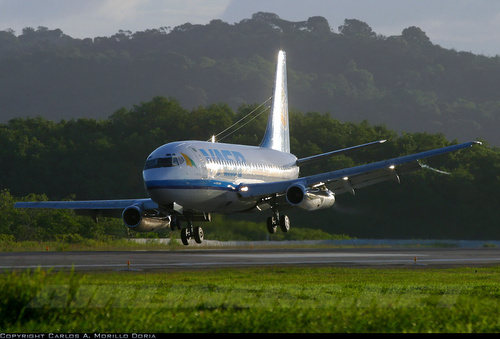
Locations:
(237, 122)
(213, 139)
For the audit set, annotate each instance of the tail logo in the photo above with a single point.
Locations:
(283, 119)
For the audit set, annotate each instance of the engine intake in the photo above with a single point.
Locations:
(295, 194)
(135, 218)
(132, 216)
(309, 199)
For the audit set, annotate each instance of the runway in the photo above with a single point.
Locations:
(209, 258)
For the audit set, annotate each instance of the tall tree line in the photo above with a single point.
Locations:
(100, 159)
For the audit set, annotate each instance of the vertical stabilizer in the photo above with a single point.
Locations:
(277, 135)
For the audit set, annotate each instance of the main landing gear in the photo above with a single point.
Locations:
(192, 232)
(283, 221)
(189, 232)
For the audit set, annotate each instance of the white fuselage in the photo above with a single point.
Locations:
(204, 176)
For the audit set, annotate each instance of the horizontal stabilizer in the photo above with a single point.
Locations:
(314, 158)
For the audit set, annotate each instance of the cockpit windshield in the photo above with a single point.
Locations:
(169, 160)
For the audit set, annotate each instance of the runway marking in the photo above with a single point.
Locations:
(407, 262)
(113, 261)
(309, 255)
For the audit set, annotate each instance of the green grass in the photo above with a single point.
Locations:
(87, 245)
(270, 299)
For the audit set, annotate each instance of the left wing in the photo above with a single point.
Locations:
(349, 179)
(94, 208)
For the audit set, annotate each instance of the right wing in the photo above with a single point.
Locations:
(349, 179)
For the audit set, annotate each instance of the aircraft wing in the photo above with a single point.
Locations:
(348, 179)
(106, 208)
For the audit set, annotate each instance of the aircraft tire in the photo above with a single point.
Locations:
(185, 236)
(198, 234)
(284, 223)
(271, 225)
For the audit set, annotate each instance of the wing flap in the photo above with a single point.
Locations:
(349, 184)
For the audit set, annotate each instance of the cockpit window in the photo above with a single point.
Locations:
(164, 162)
(167, 161)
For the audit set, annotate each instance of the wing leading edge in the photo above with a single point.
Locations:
(111, 208)
(347, 180)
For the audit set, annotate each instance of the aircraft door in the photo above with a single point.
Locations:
(202, 161)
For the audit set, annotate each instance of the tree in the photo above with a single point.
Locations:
(318, 24)
(416, 36)
(265, 17)
(356, 28)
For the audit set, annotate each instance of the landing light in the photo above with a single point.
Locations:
(392, 167)
(345, 178)
(244, 189)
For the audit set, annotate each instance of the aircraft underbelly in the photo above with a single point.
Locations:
(207, 200)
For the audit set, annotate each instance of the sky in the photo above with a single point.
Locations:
(465, 25)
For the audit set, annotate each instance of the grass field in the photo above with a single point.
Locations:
(272, 299)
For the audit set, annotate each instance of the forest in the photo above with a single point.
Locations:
(103, 159)
(349, 72)
(78, 117)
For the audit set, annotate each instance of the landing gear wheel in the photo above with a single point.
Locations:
(198, 234)
(185, 236)
(271, 225)
(284, 223)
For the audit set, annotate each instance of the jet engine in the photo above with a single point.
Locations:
(138, 220)
(310, 198)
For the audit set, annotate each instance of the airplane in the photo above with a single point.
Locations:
(188, 181)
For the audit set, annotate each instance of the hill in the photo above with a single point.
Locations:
(405, 82)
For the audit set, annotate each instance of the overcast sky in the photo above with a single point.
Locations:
(466, 25)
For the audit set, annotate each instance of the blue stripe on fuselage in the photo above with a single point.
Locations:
(190, 184)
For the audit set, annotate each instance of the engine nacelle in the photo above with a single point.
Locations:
(135, 219)
(309, 199)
